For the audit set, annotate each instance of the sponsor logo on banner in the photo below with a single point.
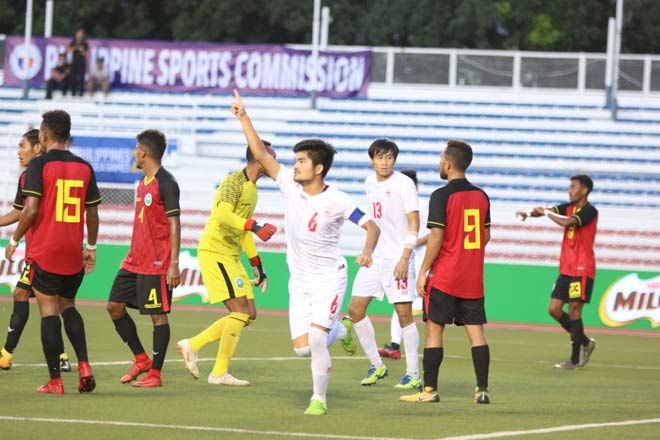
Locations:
(17, 61)
(201, 67)
(11, 271)
(191, 278)
(631, 299)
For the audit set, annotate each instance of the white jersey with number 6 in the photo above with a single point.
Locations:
(390, 201)
(313, 226)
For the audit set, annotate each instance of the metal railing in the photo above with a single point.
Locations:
(513, 69)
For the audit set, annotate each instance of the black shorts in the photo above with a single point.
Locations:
(570, 289)
(52, 284)
(443, 308)
(148, 293)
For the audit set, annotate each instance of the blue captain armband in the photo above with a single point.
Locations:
(356, 216)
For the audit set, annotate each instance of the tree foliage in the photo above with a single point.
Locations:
(557, 25)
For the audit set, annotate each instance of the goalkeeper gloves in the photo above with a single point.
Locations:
(260, 278)
(264, 232)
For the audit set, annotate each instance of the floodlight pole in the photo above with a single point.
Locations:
(48, 21)
(315, 51)
(613, 87)
(28, 42)
(325, 25)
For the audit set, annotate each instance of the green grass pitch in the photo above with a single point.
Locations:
(621, 383)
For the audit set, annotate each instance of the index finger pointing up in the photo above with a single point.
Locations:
(236, 95)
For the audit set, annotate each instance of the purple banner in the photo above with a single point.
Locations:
(200, 67)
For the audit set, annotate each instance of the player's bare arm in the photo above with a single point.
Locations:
(562, 220)
(173, 273)
(270, 164)
(26, 220)
(432, 250)
(92, 223)
(373, 232)
(410, 240)
(539, 211)
(10, 218)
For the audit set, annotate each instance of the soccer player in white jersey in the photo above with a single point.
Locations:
(395, 209)
(314, 215)
(392, 350)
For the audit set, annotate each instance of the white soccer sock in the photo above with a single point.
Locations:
(411, 345)
(303, 352)
(318, 344)
(367, 336)
(395, 329)
(337, 331)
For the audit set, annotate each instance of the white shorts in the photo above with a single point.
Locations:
(377, 280)
(316, 301)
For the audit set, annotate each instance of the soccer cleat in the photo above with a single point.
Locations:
(409, 383)
(151, 380)
(5, 359)
(65, 365)
(86, 382)
(567, 365)
(53, 386)
(316, 408)
(587, 350)
(427, 395)
(481, 396)
(136, 369)
(348, 343)
(227, 379)
(374, 375)
(390, 351)
(189, 357)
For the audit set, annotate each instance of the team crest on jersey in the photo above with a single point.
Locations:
(239, 282)
(148, 199)
(388, 193)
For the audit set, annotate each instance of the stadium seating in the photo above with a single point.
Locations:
(526, 144)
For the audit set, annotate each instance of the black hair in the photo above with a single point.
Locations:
(32, 136)
(248, 153)
(585, 181)
(410, 173)
(460, 154)
(58, 124)
(383, 146)
(155, 142)
(320, 152)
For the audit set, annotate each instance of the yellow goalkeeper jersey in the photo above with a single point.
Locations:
(233, 204)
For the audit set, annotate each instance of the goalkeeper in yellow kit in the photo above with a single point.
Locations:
(227, 233)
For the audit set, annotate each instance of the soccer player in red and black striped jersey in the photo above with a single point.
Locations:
(61, 197)
(459, 220)
(577, 265)
(151, 269)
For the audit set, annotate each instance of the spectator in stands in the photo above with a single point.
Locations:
(59, 77)
(78, 50)
(99, 76)
(577, 264)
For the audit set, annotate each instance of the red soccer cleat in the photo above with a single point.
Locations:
(151, 380)
(390, 351)
(136, 369)
(86, 383)
(53, 386)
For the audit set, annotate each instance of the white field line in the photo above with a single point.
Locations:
(296, 358)
(500, 434)
(195, 428)
(503, 434)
